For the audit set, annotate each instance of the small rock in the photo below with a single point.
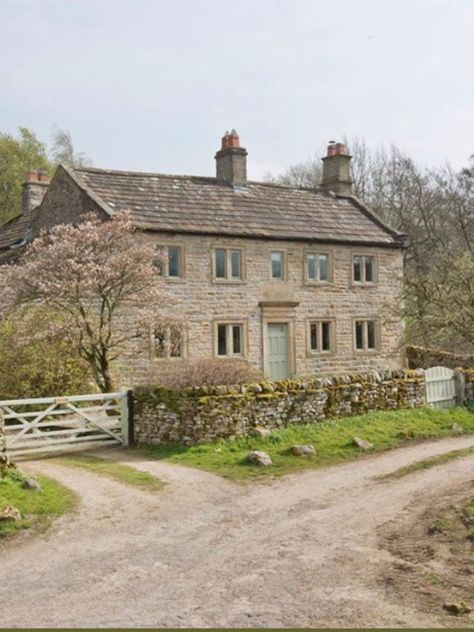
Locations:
(10, 514)
(362, 443)
(31, 483)
(257, 457)
(456, 428)
(303, 450)
(258, 431)
(457, 608)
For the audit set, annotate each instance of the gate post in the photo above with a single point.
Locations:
(459, 386)
(124, 421)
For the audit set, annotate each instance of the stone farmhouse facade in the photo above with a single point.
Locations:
(295, 281)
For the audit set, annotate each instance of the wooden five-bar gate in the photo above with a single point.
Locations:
(47, 425)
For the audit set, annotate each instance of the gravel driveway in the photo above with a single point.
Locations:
(296, 552)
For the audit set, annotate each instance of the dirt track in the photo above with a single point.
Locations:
(301, 551)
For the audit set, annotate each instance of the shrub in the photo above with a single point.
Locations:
(208, 372)
(44, 367)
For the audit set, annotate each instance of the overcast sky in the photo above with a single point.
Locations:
(152, 85)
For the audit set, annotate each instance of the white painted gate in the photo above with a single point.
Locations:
(440, 387)
(62, 424)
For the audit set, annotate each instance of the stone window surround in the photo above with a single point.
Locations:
(227, 248)
(364, 319)
(333, 336)
(177, 244)
(243, 322)
(284, 253)
(364, 253)
(318, 251)
(169, 358)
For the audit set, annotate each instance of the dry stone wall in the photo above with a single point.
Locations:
(204, 414)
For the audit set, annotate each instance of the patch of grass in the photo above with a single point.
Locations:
(116, 471)
(37, 507)
(425, 464)
(332, 441)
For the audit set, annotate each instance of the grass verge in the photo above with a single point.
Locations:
(37, 507)
(426, 464)
(332, 441)
(111, 469)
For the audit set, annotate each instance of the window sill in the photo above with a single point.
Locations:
(364, 284)
(366, 351)
(174, 279)
(319, 283)
(228, 281)
(320, 354)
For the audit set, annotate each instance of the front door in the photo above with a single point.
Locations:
(278, 365)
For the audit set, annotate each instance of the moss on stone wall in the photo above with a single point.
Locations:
(202, 414)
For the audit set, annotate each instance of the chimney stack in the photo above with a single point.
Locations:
(34, 188)
(231, 161)
(337, 169)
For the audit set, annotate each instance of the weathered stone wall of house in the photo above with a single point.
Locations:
(199, 303)
(64, 203)
(201, 415)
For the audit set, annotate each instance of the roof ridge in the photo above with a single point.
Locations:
(158, 174)
(139, 173)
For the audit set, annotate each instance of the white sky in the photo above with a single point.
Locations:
(152, 84)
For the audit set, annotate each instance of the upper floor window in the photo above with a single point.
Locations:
(167, 342)
(173, 266)
(277, 265)
(365, 333)
(228, 264)
(363, 269)
(230, 339)
(318, 267)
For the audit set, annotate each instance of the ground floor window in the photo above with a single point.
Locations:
(321, 336)
(365, 334)
(167, 342)
(230, 339)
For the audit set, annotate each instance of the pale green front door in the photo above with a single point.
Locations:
(278, 365)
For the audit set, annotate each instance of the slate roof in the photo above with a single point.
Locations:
(14, 234)
(199, 205)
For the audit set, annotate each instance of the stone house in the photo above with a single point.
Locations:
(295, 281)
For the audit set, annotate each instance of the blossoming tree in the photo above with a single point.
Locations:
(100, 277)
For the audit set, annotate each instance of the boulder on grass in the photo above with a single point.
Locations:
(258, 457)
(456, 428)
(10, 514)
(363, 444)
(31, 483)
(303, 450)
(258, 431)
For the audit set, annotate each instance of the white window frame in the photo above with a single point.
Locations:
(283, 276)
(363, 256)
(229, 324)
(167, 343)
(365, 348)
(332, 336)
(228, 264)
(318, 253)
(182, 261)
